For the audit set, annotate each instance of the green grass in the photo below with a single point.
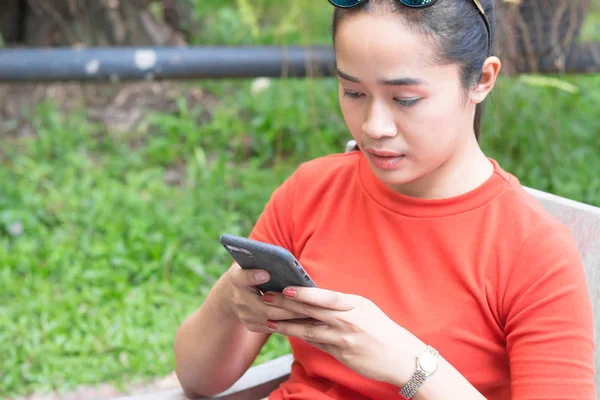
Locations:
(102, 258)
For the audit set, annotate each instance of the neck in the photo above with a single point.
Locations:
(468, 169)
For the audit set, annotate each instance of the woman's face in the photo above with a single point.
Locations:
(410, 116)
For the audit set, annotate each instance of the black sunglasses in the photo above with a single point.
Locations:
(421, 4)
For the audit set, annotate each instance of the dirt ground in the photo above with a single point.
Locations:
(120, 107)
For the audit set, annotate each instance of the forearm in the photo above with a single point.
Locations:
(445, 383)
(209, 348)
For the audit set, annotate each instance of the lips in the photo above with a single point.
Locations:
(385, 159)
(384, 153)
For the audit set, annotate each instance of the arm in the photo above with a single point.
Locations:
(445, 383)
(361, 336)
(548, 320)
(548, 326)
(213, 348)
(214, 333)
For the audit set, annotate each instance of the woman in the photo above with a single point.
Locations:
(439, 276)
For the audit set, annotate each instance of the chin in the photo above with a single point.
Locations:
(396, 177)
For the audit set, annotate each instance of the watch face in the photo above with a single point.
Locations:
(428, 363)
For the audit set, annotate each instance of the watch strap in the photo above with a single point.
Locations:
(413, 384)
(426, 365)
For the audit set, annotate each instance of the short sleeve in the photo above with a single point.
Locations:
(275, 224)
(548, 320)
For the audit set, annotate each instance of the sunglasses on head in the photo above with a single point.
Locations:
(421, 4)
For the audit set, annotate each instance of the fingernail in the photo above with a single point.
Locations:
(268, 297)
(262, 276)
(290, 292)
(271, 325)
(321, 323)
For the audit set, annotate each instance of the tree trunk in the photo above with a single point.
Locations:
(12, 21)
(51, 23)
(536, 34)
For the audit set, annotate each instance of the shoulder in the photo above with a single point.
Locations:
(319, 181)
(328, 167)
(543, 247)
(521, 213)
(328, 174)
(305, 195)
(528, 238)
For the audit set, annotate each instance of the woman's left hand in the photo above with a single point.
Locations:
(358, 333)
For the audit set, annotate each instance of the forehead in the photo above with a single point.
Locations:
(382, 44)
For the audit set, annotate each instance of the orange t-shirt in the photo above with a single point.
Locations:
(488, 278)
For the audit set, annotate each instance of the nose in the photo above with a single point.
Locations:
(379, 122)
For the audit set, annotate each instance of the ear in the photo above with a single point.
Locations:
(491, 69)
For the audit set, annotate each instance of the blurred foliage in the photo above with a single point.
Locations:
(591, 27)
(245, 22)
(103, 255)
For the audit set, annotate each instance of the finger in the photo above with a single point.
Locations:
(311, 321)
(322, 298)
(279, 301)
(258, 328)
(307, 332)
(248, 277)
(265, 312)
(278, 314)
(327, 348)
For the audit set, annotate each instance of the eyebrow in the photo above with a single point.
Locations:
(390, 82)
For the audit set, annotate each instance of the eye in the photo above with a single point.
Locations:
(353, 95)
(406, 102)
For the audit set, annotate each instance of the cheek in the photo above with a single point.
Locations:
(352, 114)
(434, 126)
(432, 138)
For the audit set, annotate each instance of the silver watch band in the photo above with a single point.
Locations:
(427, 364)
(413, 384)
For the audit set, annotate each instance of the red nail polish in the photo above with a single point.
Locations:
(290, 292)
(268, 297)
(271, 325)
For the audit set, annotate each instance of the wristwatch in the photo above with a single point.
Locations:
(427, 364)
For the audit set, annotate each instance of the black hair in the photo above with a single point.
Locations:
(456, 30)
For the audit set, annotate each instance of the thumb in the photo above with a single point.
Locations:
(249, 277)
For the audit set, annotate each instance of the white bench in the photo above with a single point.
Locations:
(584, 221)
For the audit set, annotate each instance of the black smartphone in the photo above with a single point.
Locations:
(285, 270)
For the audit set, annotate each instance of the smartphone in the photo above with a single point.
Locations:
(285, 270)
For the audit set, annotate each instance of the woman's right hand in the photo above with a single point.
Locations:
(244, 300)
